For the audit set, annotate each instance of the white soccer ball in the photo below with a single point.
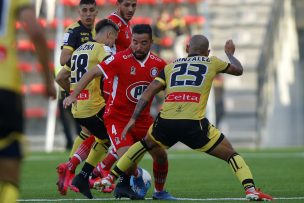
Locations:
(141, 184)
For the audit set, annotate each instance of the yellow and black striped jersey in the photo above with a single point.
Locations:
(84, 58)
(10, 76)
(188, 82)
(76, 35)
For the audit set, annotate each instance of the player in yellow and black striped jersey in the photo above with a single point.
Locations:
(187, 82)
(11, 111)
(88, 111)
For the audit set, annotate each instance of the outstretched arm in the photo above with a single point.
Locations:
(85, 80)
(235, 67)
(37, 36)
(154, 87)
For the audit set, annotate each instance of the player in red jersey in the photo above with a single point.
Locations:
(121, 17)
(132, 71)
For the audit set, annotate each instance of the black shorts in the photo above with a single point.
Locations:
(11, 124)
(196, 134)
(95, 125)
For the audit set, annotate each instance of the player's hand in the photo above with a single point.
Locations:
(127, 128)
(68, 101)
(229, 47)
(50, 91)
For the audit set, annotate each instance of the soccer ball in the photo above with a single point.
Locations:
(141, 184)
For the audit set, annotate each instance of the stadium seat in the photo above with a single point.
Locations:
(192, 19)
(51, 44)
(25, 67)
(194, 1)
(172, 1)
(147, 2)
(141, 20)
(166, 42)
(70, 3)
(35, 112)
(25, 45)
(100, 2)
(39, 68)
(112, 2)
(36, 89)
(24, 89)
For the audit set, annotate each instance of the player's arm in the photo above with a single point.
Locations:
(155, 87)
(84, 81)
(63, 79)
(65, 55)
(36, 35)
(235, 67)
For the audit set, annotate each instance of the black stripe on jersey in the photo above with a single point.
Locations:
(83, 136)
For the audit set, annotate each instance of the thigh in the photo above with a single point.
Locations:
(203, 136)
(95, 125)
(11, 124)
(164, 132)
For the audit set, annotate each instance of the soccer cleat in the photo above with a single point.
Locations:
(65, 177)
(122, 190)
(257, 195)
(163, 195)
(138, 185)
(80, 184)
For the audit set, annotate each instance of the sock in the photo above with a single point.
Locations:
(73, 163)
(97, 152)
(241, 170)
(79, 139)
(133, 156)
(160, 172)
(109, 160)
(86, 170)
(8, 192)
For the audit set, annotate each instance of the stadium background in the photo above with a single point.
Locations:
(262, 108)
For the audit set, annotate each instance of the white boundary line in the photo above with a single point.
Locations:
(181, 199)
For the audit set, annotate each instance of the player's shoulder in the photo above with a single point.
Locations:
(73, 27)
(116, 19)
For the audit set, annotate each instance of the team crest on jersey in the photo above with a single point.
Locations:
(135, 90)
(154, 72)
(127, 34)
(133, 70)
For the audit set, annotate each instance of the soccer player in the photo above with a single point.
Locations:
(89, 109)
(121, 17)
(77, 34)
(132, 71)
(11, 108)
(187, 83)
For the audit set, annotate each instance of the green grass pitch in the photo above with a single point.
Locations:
(194, 176)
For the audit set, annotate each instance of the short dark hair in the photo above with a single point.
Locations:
(104, 23)
(87, 2)
(142, 29)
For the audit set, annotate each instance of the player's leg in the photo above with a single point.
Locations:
(96, 126)
(66, 171)
(11, 153)
(215, 144)
(83, 135)
(103, 168)
(81, 182)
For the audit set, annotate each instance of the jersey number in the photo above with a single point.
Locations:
(3, 16)
(194, 76)
(79, 66)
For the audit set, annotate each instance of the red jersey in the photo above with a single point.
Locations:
(130, 78)
(124, 37)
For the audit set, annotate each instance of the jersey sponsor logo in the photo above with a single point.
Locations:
(127, 56)
(84, 95)
(135, 90)
(109, 60)
(183, 97)
(154, 72)
(66, 37)
(154, 58)
(3, 53)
